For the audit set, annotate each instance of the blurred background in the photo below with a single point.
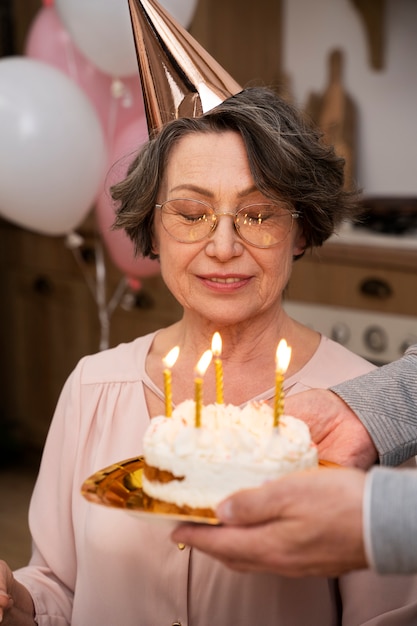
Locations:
(72, 113)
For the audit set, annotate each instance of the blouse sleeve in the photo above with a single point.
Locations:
(50, 575)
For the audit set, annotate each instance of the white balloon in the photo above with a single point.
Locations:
(102, 31)
(52, 149)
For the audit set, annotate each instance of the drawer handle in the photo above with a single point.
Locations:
(375, 288)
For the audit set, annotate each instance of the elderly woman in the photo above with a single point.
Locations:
(226, 202)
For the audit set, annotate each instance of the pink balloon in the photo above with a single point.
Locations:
(117, 243)
(117, 102)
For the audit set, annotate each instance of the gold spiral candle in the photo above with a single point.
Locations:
(201, 369)
(169, 361)
(283, 356)
(198, 385)
(216, 348)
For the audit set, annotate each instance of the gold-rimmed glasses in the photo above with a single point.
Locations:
(261, 225)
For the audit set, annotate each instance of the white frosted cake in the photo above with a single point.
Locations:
(190, 470)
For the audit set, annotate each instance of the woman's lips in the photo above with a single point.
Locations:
(225, 283)
(232, 279)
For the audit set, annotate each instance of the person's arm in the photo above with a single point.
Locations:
(385, 401)
(279, 527)
(368, 417)
(338, 433)
(304, 524)
(390, 520)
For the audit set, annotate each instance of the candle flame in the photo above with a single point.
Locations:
(216, 344)
(170, 359)
(283, 356)
(204, 362)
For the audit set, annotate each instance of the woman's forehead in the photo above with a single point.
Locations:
(207, 159)
(203, 149)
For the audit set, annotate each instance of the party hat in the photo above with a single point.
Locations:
(179, 78)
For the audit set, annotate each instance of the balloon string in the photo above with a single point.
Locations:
(120, 96)
(70, 58)
(117, 296)
(98, 288)
(75, 249)
(112, 113)
(103, 315)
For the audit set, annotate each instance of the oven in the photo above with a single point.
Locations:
(377, 335)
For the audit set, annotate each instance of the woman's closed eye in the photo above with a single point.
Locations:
(191, 217)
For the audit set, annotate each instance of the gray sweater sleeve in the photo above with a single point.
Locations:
(390, 520)
(385, 400)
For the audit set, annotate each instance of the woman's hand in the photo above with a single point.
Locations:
(305, 524)
(339, 434)
(16, 605)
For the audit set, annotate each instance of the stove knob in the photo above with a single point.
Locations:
(375, 339)
(340, 332)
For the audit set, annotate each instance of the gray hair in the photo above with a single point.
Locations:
(288, 159)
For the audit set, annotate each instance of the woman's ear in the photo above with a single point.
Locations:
(300, 244)
(155, 245)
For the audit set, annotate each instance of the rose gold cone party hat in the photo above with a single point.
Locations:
(179, 78)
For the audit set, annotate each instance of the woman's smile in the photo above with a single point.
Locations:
(225, 283)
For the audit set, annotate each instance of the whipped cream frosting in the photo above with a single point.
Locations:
(233, 449)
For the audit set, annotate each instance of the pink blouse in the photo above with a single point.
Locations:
(96, 566)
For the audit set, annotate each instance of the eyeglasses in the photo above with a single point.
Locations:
(260, 225)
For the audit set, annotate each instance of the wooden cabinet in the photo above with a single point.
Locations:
(366, 278)
(245, 37)
(24, 12)
(49, 320)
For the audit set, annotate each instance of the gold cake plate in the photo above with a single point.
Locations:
(119, 486)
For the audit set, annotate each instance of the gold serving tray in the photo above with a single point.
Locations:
(120, 486)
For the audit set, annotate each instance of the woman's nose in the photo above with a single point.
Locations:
(224, 242)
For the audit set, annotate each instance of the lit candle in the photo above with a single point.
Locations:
(201, 369)
(283, 356)
(169, 361)
(216, 348)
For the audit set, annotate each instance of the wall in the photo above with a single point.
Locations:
(386, 99)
